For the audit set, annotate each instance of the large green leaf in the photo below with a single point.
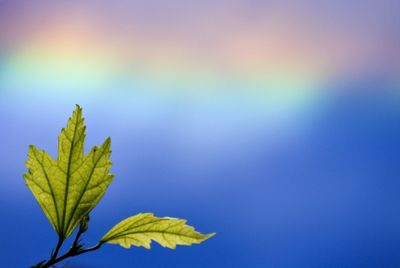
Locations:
(141, 229)
(68, 188)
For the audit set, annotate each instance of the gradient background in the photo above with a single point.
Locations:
(275, 124)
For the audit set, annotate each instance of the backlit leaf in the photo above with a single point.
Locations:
(141, 229)
(68, 188)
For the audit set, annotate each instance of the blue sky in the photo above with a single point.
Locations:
(324, 196)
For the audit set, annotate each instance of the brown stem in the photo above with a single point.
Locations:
(72, 252)
(75, 250)
(58, 247)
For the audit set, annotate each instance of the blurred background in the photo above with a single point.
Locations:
(275, 124)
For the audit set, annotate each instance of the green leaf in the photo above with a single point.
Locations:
(68, 188)
(141, 229)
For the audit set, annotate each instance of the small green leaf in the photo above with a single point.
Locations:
(68, 188)
(141, 229)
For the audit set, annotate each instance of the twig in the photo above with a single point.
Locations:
(75, 250)
(72, 252)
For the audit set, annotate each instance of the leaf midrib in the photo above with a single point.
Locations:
(127, 232)
(68, 175)
(194, 236)
(84, 189)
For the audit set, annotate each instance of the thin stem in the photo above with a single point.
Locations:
(58, 247)
(72, 252)
(75, 250)
(76, 240)
(83, 227)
